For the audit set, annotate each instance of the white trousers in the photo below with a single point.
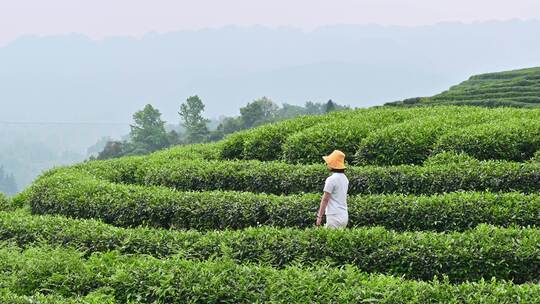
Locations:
(335, 221)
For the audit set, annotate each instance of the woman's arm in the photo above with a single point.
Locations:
(322, 208)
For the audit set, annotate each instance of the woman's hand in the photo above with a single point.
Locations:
(324, 202)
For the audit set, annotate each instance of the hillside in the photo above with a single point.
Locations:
(447, 210)
(517, 88)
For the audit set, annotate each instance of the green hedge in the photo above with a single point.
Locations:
(311, 144)
(281, 178)
(413, 141)
(44, 297)
(451, 157)
(198, 151)
(143, 279)
(380, 136)
(264, 143)
(345, 134)
(514, 139)
(484, 252)
(79, 196)
(407, 143)
(494, 89)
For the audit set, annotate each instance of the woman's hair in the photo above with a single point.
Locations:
(338, 170)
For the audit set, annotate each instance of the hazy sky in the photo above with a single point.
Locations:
(98, 18)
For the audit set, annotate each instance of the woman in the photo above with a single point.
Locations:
(334, 200)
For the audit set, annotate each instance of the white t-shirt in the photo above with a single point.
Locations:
(337, 185)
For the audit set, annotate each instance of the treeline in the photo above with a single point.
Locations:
(8, 185)
(149, 131)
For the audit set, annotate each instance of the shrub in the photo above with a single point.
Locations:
(233, 146)
(7, 296)
(345, 134)
(412, 141)
(280, 178)
(198, 151)
(310, 145)
(122, 170)
(386, 136)
(484, 252)
(406, 143)
(143, 279)
(514, 140)
(264, 143)
(450, 157)
(129, 206)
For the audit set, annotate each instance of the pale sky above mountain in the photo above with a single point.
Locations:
(100, 18)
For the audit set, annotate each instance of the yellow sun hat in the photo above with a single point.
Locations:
(336, 160)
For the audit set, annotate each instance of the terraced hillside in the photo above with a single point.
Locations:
(518, 88)
(444, 208)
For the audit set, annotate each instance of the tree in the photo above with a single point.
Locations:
(330, 106)
(193, 121)
(231, 124)
(312, 108)
(173, 138)
(96, 148)
(289, 111)
(258, 112)
(8, 185)
(148, 133)
(112, 149)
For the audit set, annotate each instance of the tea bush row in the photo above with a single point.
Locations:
(508, 89)
(45, 297)
(264, 143)
(80, 196)
(281, 178)
(345, 134)
(142, 279)
(414, 141)
(484, 252)
(385, 136)
(515, 140)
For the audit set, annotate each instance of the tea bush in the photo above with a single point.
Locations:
(264, 143)
(451, 157)
(412, 141)
(484, 252)
(407, 143)
(345, 134)
(140, 279)
(128, 206)
(514, 139)
(310, 145)
(9, 297)
(380, 136)
(281, 178)
(520, 88)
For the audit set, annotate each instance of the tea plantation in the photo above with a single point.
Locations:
(518, 88)
(444, 207)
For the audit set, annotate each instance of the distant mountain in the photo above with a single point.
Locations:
(516, 88)
(74, 78)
